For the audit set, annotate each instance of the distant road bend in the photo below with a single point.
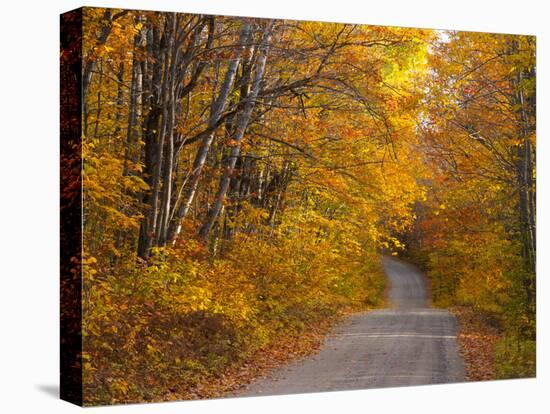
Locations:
(407, 344)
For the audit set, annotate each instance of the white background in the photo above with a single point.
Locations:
(29, 182)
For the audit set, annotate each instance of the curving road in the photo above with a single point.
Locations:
(407, 344)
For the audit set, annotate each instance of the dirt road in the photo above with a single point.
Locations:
(407, 344)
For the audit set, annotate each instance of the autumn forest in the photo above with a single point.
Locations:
(242, 178)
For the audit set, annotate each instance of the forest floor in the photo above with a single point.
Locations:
(477, 339)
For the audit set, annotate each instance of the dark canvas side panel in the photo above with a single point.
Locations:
(71, 206)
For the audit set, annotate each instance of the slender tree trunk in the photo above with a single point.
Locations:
(169, 164)
(282, 185)
(217, 110)
(132, 114)
(98, 107)
(526, 191)
(525, 169)
(119, 103)
(165, 98)
(155, 47)
(241, 125)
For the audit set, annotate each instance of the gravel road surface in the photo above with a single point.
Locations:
(407, 344)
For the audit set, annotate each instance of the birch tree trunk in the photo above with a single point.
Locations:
(218, 107)
(241, 125)
(169, 163)
(135, 90)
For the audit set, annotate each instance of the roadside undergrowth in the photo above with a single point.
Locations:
(281, 351)
(187, 326)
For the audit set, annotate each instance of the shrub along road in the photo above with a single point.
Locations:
(407, 344)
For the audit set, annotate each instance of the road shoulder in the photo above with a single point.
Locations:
(477, 340)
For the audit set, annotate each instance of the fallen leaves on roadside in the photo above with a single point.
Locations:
(477, 340)
(288, 348)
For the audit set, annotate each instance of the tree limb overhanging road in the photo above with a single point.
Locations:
(407, 344)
